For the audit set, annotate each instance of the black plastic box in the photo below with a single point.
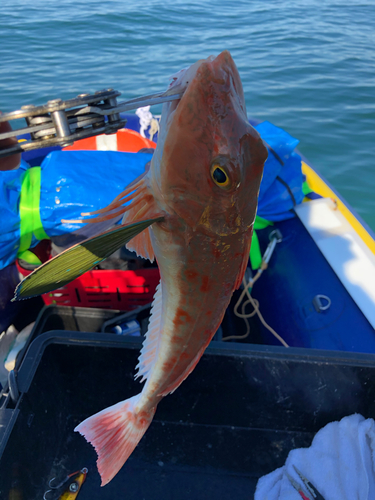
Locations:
(234, 419)
(81, 319)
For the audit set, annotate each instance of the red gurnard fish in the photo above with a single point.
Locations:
(203, 181)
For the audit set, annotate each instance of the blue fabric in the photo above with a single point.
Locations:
(10, 186)
(275, 202)
(72, 182)
(83, 181)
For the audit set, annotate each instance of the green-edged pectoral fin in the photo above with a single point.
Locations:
(78, 259)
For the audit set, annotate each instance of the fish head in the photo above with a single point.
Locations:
(209, 161)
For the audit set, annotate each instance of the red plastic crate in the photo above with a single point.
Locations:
(108, 289)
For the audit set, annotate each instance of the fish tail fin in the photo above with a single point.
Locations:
(114, 433)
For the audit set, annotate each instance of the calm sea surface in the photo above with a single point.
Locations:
(307, 66)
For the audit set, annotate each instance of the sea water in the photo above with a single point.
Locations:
(307, 66)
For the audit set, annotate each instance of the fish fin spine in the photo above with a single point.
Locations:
(150, 345)
(114, 433)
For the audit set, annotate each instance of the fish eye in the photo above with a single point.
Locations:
(219, 176)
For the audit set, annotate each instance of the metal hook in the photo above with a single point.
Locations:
(58, 486)
(45, 493)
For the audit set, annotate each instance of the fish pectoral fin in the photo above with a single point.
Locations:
(136, 203)
(142, 245)
(146, 207)
(78, 259)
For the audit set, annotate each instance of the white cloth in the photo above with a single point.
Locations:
(339, 463)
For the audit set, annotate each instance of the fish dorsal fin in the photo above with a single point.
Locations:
(151, 343)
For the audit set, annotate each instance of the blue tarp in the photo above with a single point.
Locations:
(82, 181)
(10, 185)
(282, 168)
(71, 182)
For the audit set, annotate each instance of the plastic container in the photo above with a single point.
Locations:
(108, 289)
(18, 313)
(84, 319)
(80, 319)
(75, 319)
(234, 419)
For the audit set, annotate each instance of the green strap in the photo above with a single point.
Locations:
(30, 257)
(306, 188)
(255, 253)
(30, 221)
(261, 223)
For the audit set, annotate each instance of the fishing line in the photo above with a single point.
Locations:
(255, 303)
(248, 286)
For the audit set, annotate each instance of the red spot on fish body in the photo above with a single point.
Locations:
(191, 275)
(205, 284)
(182, 317)
(216, 253)
(142, 421)
(208, 313)
(185, 356)
(169, 365)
